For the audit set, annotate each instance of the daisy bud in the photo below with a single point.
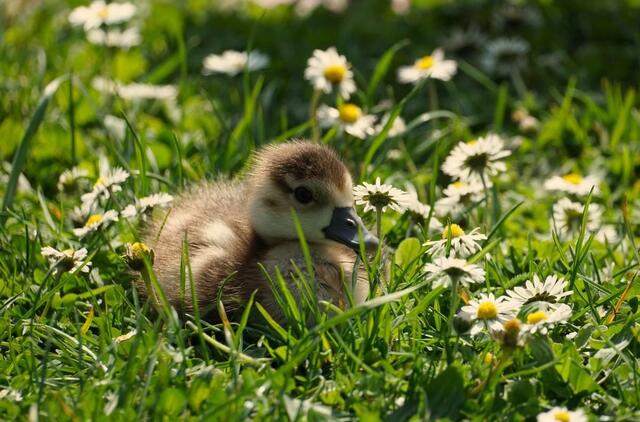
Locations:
(511, 335)
(461, 323)
(136, 254)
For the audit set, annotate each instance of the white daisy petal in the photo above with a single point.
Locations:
(380, 195)
(433, 66)
(99, 13)
(233, 62)
(442, 270)
(573, 183)
(348, 118)
(477, 160)
(328, 70)
(562, 414)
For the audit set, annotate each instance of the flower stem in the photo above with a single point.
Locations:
(433, 95)
(313, 111)
(379, 222)
(453, 306)
(486, 202)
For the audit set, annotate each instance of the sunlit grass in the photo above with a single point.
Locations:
(85, 346)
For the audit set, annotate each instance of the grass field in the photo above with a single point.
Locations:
(516, 155)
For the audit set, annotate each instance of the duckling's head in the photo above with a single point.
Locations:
(311, 180)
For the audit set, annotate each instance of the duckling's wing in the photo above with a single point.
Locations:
(213, 221)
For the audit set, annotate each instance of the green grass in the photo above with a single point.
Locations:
(395, 357)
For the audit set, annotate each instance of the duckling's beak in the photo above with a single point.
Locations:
(344, 226)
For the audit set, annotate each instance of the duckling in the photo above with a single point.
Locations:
(232, 228)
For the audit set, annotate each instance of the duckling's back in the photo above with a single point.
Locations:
(213, 221)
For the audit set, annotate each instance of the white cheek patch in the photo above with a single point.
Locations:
(313, 222)
(218, 233)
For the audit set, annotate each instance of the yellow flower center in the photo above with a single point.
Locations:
(349, 113)
(536, 317)
(335, 73)
(424, 63)
(487, 310)
(456, 231)
(93, 220)
(488, 358)
(99, 182)
(472, 142)
(573, 178)
(458, 184)
(562, 416)
(69, 252)
(139, 249)
(103, 13)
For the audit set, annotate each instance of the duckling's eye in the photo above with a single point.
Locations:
(303, 195)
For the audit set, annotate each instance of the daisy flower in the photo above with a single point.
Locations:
(127, 38)
(420, 212)
(349, 118)
(10, 394)
(476, 160)
(459, 196)
(567, 217)
(607, 234)
(383, 196)
(327, 70)
(135, 91)
(69, 178)
(116, 126)
(143, 205)
(99, 13)
(305, 7)
(106, 184)
(232, 62)
(400, 7)
(562, 414)
(434, 66)
(503, 56)
(462, 244)
(463, 42)
(67, 260)
(544, 296)
(398, 127)
(96, 222)
(510, 16)
(270, 4)
(542, 320)
(487, 312)
(136, 253)
(442, 271)
(573, 183)
(511, 333)
(525, 121)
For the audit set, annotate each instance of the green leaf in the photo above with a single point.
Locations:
(573, 373)
(21, 154)
(172, 401)
(541, 350)
(383, 67)
(445, 394)
(521, 391)
(408, 252)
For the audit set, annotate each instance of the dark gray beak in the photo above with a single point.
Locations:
(343, 228)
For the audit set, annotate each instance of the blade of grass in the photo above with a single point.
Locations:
(382, 67)
(20, 157)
